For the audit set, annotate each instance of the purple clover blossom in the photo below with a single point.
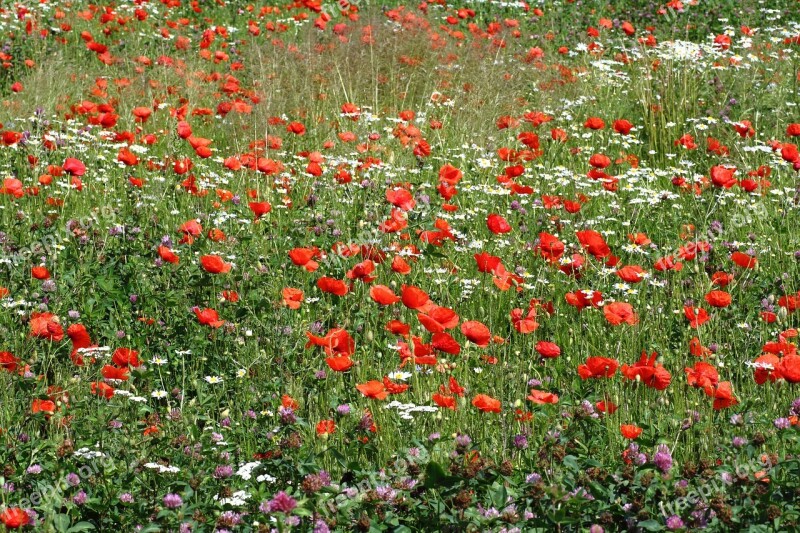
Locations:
(533, 478)
(280, 503)
(663, 458)
(782, 423)
(674, 522)
(172, 501)
(80, 498)
(287, 415)
(223, 471)
(795, 409)
(386, 493)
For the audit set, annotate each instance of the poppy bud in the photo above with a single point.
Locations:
(369, 336)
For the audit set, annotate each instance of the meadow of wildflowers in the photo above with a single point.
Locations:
(425, 266)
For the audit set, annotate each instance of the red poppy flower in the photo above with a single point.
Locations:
(486, 403)
(332, 286)
(721, 279)
(339, 363)
(542, 397)
(102, 389)
(668, 263)
(594, 243)
(40, 272)
(497, 224)
(486, 263)
(325, 428)
(74, 167)
(550, 247)
(450, 174)
(443, 342)
(43, 406)
(744, 260)
(362, 271)
(438, 319)
(548, 350)
(141, 113)
(702, 376)
(168, 255)
(296, 127)
(723, 176)
(476, 332)
(259, 209)
(208, 317)
(605, 406)
(594, 123)
(397, 327)
(622, 126)
(46, 326)
(723, 396)
(114, 372)
(790, 153)
(304, 257)
(15, 518)
(766, 367)
(718, 299)
(336, 342)
(214, 264)
(13, 187)
(394, 388)
(697, 349)
(445, 401)
(373, 389)
(584, 298)
(8, 361)
(401, 198)
(600, 161)
(631, 273)
(789, 368)
(414, 297)
(697, 316)
(649, 372)
(598, 367)
(630, 431)
(126, 357)
(525, 322)
(620, 313)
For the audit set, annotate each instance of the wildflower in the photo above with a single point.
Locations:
(674, 522)
(280, 503)
(172, 501)
(663, 458)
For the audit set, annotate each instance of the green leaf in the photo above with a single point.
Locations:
(571, 462)
(82, 526)
(435, 476)
(650, 525)
(61, 522)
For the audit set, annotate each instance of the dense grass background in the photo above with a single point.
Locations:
(250, 391)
